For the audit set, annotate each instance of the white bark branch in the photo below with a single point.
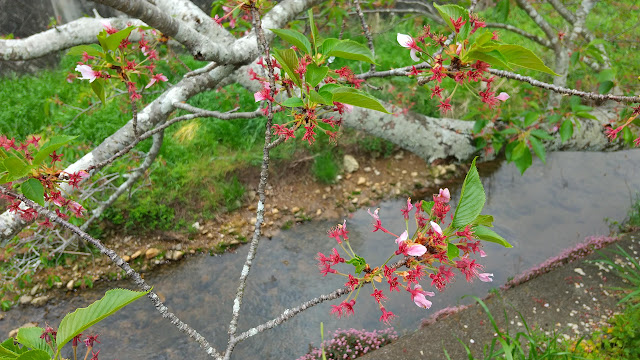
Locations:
(78, 32)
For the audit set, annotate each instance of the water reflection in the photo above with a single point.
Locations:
(548, 209)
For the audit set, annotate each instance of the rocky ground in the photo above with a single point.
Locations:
(364, 182)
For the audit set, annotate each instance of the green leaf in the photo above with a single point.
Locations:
(452, 251)
(33, 190)
(530, 118)
(314, 30)
(8, 350)
(358, 262)
(508, 150)
(353, 97)
(81, 319)
(293, 102)
(324, 98)
(34, 355)
(30, 337)
(606, 75)
(483, 38)
(524, 161)
(493, 57)
(538, 148)
(486, 220)
(586, 115)
(427, 206)
(102, 39)
(479, 125)
(472, 199)
(54, 144)
(91, 50)
(519, 151)
(315, 74)
(573, 60)
(523, 57)
(288, 59)
(487, 234)
(627, 135)
(448, 12)
(566, 130)
(294, 38)
(98, 88)
(605, 87)
(16, 167)
(541, 134)
(347, 49)
(113, 41)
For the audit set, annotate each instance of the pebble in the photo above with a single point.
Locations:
(126, 258)
(361, 180)
(275, 211)
(70, 285)
(40, 301)
(295, 209)
(367, 169)
(399, 156)
(151, 253)
(177, 255)
(350, 163)
(354, 200)
(25, 299)
(34, 290)
(136, 254)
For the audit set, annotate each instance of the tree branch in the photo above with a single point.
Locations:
(540, 40)
(539, 20)
(77, 32)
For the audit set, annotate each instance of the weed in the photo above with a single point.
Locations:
(325, 168)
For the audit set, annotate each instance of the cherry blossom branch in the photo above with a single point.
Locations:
(367, 33)
(263, 46)
(564, 90)
(137, 279)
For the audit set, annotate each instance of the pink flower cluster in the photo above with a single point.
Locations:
(127, 65)
(424, 254)
(352, 343)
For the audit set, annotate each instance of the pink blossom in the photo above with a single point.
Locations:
(486, 277)
(403, 237)
(418, 296)
(155, 78)
(503, 96)
(436, 228)
(443, 196)
(416, 250)
(406, 41)
(87, 72)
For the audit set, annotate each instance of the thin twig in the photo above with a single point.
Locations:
(367, 33)
(263, 45)
(210, 66)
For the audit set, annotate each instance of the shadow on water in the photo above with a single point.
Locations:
(551, 207)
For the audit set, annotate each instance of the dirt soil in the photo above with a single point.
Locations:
(293, 197)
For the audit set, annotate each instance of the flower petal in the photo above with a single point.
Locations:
(403, 237)
(436, 228)
(486, 277)
(503, 96)
(404, 40)
(413, 55)
(416, 250)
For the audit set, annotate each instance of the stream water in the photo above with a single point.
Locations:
(551, 207)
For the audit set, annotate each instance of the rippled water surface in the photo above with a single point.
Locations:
(550, 208)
